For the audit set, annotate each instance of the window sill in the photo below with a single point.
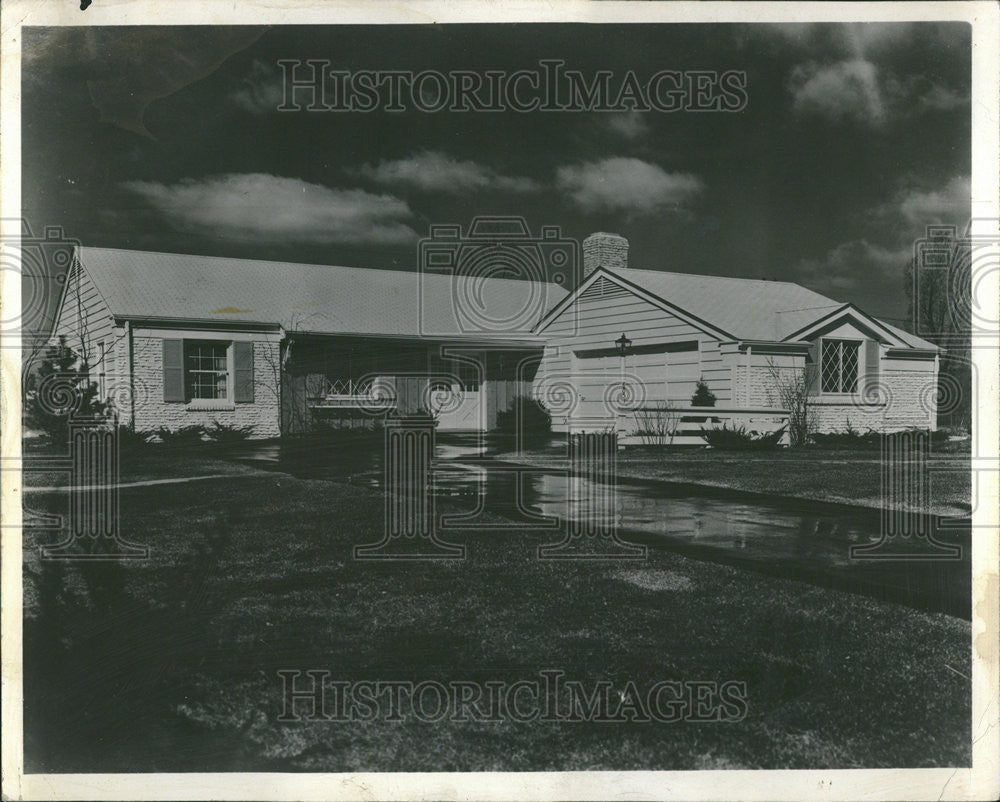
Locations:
(844, 399)
(203, 404)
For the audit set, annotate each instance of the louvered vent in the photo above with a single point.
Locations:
(602, 288)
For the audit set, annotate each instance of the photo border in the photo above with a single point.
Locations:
(978, 782)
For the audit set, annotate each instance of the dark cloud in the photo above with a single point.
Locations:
(853, 139)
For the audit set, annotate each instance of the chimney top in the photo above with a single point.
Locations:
(602, 249)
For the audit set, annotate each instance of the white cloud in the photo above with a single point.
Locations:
(858, 265)
(843, 90)
(941, 98)
(268, 208)
(948, 204)
(631, 126)
(431, 171)
(626, 184)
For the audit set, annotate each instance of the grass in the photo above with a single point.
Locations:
(833, 475)
(143, 463)
(175, 670)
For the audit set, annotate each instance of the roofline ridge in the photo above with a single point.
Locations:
(297, 264)
(726, 278)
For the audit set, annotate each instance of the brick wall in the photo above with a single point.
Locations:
(151, 411)
(906, 399)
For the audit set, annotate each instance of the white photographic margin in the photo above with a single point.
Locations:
(979, 782)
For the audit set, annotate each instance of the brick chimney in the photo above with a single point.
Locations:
(604, 250)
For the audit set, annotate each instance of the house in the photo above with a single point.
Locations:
(174, 340)
(746, 339)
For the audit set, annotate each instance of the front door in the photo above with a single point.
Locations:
(456, 406)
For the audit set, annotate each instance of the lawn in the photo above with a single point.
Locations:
(844, 476)
(150, 463)
(171, 664)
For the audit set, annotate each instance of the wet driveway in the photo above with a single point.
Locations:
(797, 539)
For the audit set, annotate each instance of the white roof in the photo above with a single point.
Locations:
(323, 299)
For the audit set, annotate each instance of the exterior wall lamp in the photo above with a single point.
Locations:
(623, 343)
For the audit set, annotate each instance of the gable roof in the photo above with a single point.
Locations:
(324, 299)
(745, 309)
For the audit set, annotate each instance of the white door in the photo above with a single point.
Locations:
(456, 407)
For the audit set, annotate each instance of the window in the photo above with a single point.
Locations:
(206, 369)
(839, 366)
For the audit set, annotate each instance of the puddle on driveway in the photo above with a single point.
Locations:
(797, 539)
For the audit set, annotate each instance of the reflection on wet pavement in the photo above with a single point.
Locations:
(803, 540)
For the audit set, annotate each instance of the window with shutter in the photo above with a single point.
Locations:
(206, 369)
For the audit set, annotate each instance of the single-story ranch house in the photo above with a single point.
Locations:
(175, 340)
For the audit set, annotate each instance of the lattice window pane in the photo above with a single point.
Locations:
(840, 363)
(831, 366)
(849, 367)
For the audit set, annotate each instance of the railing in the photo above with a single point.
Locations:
(349, 388)
(369, 392)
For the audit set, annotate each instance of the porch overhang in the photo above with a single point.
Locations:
(499, 341)
(206, 324)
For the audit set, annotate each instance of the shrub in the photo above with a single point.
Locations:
(132, 438)
(703, 397)
(58, 388)
(726, 438)
(228, 435)
(529, 411)
(186, 435)
(852, 438)
(657, 423)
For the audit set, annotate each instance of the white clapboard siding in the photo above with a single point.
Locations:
(84, 318)
(602, 313)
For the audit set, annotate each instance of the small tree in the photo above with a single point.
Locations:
(790, 390)
(57, 389)
(703, 397)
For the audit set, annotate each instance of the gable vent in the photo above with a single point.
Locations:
(602, 288)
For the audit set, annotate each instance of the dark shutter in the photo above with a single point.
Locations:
(871, 379)
(173, 370)
(243, 380)
(813, 369)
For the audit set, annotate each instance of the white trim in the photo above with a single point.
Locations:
(217, 335)
(640, 293)
(858, 316)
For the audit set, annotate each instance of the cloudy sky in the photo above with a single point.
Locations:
(854, 138)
